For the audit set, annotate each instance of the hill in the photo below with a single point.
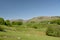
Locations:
(43, 18)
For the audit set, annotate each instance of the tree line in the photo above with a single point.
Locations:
(9, 23)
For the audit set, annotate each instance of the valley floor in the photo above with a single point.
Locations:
(26, 35)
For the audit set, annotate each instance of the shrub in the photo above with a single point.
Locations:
(36, 25)
(17, 23)
(1, 28)
(8, 23)
(53, 30)
(56, 21)
(2, 21)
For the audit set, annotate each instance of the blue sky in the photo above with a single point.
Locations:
(26, 9)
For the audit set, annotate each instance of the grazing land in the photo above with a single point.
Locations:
(28, 30)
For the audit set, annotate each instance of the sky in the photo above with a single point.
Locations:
(26, 9)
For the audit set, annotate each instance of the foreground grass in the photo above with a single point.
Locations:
(30, 34)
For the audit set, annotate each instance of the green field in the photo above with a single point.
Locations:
(25, 34)
(30, 30)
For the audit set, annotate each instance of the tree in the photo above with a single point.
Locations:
(8, 23)
(2, 21)
(17, 23)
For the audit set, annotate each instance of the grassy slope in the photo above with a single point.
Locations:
(26, 34)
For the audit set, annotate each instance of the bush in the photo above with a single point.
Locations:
(1, 28)
(7, 23)
(17, 23)
(36, 25)
(56, 21)
(53, 30)
(2, 22)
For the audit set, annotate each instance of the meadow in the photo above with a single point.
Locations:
(25, 34)
(31, 30)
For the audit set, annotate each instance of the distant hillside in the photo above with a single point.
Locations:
(18, 20)
(44, 18)
(38, 19)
